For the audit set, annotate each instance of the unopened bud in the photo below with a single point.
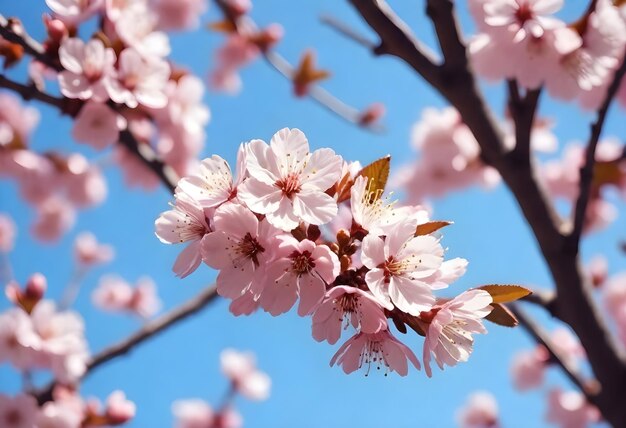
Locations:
(35, 287)
(119, 410)
(57, 30)
(372, 114)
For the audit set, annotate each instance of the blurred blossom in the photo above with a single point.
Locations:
(114, 294)
(88, 251)
(7, 233)
(480, 411)
(569, 409)
(247, 380)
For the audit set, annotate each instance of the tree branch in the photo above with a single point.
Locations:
(13, 31)
(586, 172)
(522, 110)
(30, 92)
(149, 330)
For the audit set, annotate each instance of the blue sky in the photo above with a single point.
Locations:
(184, 361)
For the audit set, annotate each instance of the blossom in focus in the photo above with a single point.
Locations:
(287, 183)
(7, 233)
(241, 369)
(241, 248)
(186, 222)
(298, 270)
(380, 349)
(88, 251)
(114, 294)
(570, 409)
(343, 305)
(19, 411)
(449, 333)
(97, 125)
(480, 411)
(212, 185)
(88, 67)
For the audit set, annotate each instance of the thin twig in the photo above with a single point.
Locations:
(149, 330)
(586, 172)
(13, 31)
(588, 387)
(347, 31)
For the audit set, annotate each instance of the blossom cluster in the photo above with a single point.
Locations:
(274, 231)
(572, 60)
(245, 380)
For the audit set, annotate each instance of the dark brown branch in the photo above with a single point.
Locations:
(588, 387)
(13, 31)
(30, 92)
(586, 172)
(150, 329)
(522, 110)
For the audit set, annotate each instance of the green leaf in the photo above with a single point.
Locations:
(430, 227)
(502, 316)
(505, 293)
(377, 172)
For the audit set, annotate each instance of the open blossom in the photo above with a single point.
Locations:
(298, 269)
(369, 210)
(528, 368)
(480, 411)
(7, 233)
(115, 295)
(233, 55)
(88, 67)
(88, 251)
(345, 305)
(186, 222)
(241, 247)
(17, 338)
(16, 122)
(400, 266)
(74, 11)
(179, 14)
(19, 411)
(523, 18)
(241, 369)
(136, 25)
(381, 349)
(287, 182)
(119, 410)
(185, 107)
(97, 125)
(449, 334)
(570, 409)
(54, 217)
(140, 80)
(60, 414)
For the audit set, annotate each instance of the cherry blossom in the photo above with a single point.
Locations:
(345, 305)
(186, 222)
(399, 266)
(54, 217)
(528, 368)
(449, 333)
(368, 208)
(97, 125)
(179, 15)
(7, 233)
(114, 294)
(88, 67)
(89, 252)
(119, 410)
(480, 411)
(19, 411)
(16, 122)
(241, 247)
(136, 26)
(30, 295)
(192, 413)
(299, 269)
(287, 182)
(381, 349)
(569, 409)
(241, 369)
(524, 18)
(17, 338)
(136, 173)
(74, 11)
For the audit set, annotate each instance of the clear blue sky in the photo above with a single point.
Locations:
(183, 362)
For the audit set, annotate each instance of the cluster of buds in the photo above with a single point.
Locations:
(307, 227)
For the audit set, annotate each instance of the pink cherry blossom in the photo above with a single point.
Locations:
(569, 409)
(179, 15)
(18, 338)
(16, 123)
(7, 233)
(85, 184)
(136, 25)
(528, 368)
(369, 210)
(54, 217)
(19, 411)
(287, 182)
(97, 125)
(114, 294)
(241, 247)
(449, 334)
(186, 222)
(30, 295)
(119, 410)
(298, 269)
(140, 80)
(60, 414)
(136, 173)
(89, 252)
(145, 301)
(345, 305)
(88, 67)
(381, 349)
(245, 304)
(400, 265)
(185, 109)
(74, 11)
(523, 18)
(63, 347)
(212, 185)
(192, 413)
(480, 411)
(233, 55)
(241, 369)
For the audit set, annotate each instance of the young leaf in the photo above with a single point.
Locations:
(505, 293)
(430, 227)
(377, 172)
(502, 316)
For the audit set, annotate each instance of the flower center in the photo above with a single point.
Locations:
(13, 417)
(373, 353)
(524, 13)
(347, 303)
(301, 263)
(290, 185)
(250, 248)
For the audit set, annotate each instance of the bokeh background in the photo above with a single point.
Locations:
(183, 362)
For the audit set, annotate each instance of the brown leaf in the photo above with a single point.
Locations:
(306, 73)
(11, 52)
(501, 315)
(377, 172)
(430, 227)
(505, 293)
(225, 26)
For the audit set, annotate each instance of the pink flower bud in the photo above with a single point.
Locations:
(119, 410)
(35, 287)
(372, 114)
(57, 30)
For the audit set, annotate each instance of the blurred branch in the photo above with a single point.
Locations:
(586, 172)
(545, 299)
(522, 110)
(348, 32)
(30, 92)
(12, 30)
(589, 388)
(150, 329)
